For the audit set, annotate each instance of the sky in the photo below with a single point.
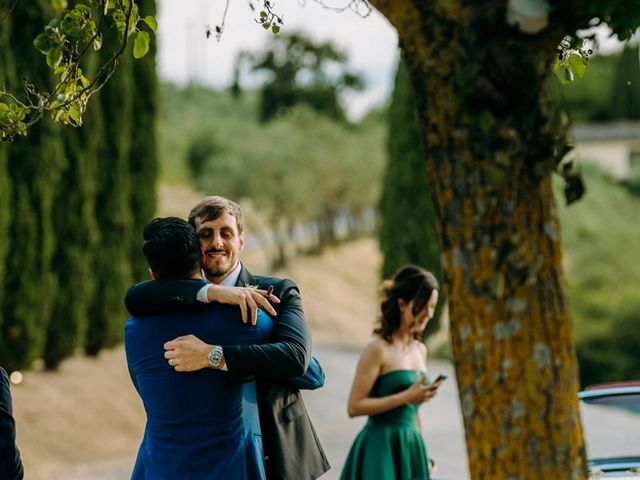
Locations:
(185, 54)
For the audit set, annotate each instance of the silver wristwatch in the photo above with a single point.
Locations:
(216, 357)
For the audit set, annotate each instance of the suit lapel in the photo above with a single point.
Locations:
(245, 279)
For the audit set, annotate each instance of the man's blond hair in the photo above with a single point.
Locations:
(210, 208)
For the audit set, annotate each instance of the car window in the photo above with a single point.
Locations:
(612, 426)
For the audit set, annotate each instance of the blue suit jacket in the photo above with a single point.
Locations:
(195, 424)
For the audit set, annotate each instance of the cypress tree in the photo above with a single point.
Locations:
(34, 165)
(77, 234)
(144, 158)
(407, 232)
(112, 262)
(626, 86)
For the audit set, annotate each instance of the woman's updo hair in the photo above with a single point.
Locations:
(410, 282)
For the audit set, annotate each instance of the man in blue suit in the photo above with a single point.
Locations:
(195, 425)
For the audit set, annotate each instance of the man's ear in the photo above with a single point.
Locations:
(241, 241)
(154, 275)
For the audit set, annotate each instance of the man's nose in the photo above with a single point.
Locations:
(216, 240)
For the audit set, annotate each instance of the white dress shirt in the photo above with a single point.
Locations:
(229, 281)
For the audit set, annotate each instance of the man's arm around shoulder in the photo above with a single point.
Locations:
(162, 296)
(289, 353)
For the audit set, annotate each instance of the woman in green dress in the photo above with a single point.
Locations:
(390, 384)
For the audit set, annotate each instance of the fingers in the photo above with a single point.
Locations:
(173, 344)
(261, 300)
(243, 311)
(267, 295)
(273, 298)
(173, 360)
(421, 381)
(253, 308)
(252, 301)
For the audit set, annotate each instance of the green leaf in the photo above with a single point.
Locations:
(42, 43)
(151, 22)
(140, 44)
(568, 74)
(97, 43)
(84, 81)
(52, 24)
(58, 116)
(275, 28)
(83, 8)
(563, 73)
(263, 14)
(578, 64)
(75, 32)
(574, 187)
(75, 115)
(59, 4)
(54, 57)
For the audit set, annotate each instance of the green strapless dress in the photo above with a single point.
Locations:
(390, 446)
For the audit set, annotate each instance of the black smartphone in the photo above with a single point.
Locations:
(440, 378)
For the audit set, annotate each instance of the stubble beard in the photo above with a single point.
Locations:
(217, 275)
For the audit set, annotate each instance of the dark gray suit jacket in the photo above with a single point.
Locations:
(292, 447)
(10, 463)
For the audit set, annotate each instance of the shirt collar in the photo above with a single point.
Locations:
(232, 278)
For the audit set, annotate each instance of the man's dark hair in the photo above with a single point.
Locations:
(171, 247)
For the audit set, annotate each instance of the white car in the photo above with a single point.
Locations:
(611, 419)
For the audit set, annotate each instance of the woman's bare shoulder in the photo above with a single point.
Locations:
(420, 345)
(376, 347)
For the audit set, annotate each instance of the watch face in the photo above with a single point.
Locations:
(215, 356)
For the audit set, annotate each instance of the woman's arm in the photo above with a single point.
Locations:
(368, 370)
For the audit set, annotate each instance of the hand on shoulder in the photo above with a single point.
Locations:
(248, 299)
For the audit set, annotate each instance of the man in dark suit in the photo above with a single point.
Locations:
(195, 424)
(10, 462)
(292, 448)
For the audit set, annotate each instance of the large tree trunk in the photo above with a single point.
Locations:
(489, 145)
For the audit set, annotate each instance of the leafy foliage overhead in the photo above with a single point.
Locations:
(65, 42)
